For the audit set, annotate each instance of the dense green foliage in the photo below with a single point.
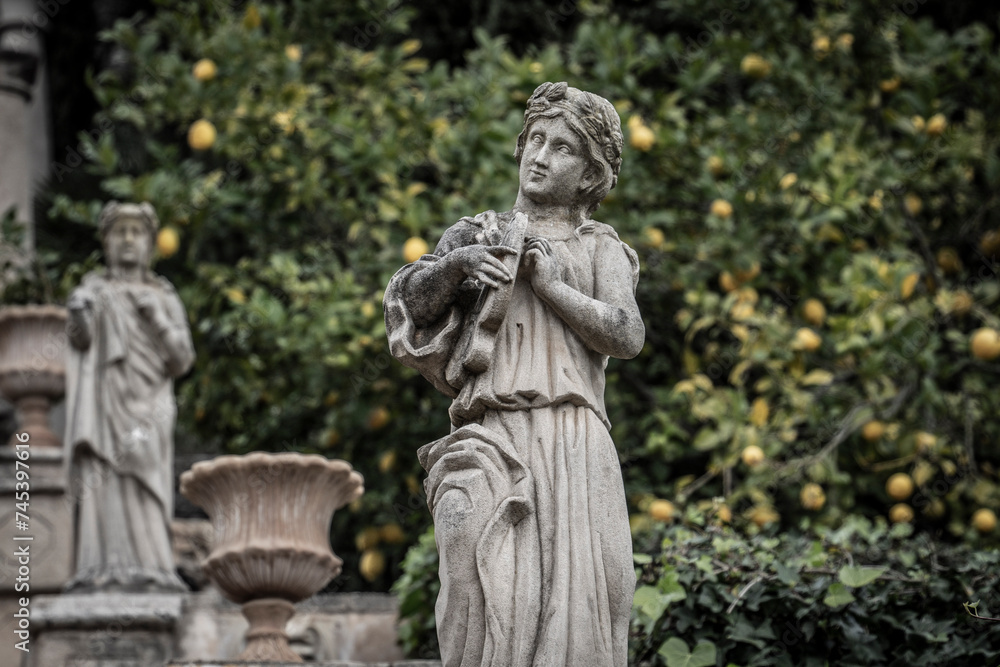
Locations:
(864, 594)
(847, 155)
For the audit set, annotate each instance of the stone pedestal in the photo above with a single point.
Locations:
(346, 627)
(50, 525)
(104, 629)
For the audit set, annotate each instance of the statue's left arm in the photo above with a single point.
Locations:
(165, 313)
(609, 323)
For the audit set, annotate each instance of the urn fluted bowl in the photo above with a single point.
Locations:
(271, 514)
(33, 364)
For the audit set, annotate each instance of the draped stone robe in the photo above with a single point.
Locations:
(527, 496)
(119, 431)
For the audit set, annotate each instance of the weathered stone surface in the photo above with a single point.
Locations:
(129, 339)
(271, 516)
(340, 626)
(104, 629)
(514, 317)
(50, 522)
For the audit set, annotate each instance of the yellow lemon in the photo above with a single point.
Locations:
(814, 312)
(845, 41)
(901, 513)
(918, 123)
(715, 166)
(236, 295)
(754, 66)
(912, 203)
(873, 430)
(724, 514)
(641, 137)
(812, 496)
(821, 46)
(985, 344)
(936, 125)
(662, 510)
(721, 208)
(378, 418)
(752, 455)
(759, 411)
(925, 441)
(908, 285)
(367, 538)
(372, 564)
(727, 281)
(984, 520)
(387, 461)
(201, 135)
(392, 534)
(414, 248)
(654, 237)
(293, 52)
(889, 85)
(899, 486)
(948, 259)
(762, 515)
(204, 70)
(788, 180)
(806, 339)
(167, 241)
(741, 311)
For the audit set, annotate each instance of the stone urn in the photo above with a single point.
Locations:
(33, 365)
(271, 514)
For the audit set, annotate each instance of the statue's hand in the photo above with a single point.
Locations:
(482, 263)
(149, 306)
(80, 302)
(542, 263)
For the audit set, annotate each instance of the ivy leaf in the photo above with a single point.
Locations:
(838, 595)
(857, 576)
(675, 651)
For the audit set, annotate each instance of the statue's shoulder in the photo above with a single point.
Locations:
(162, 283)
(605, 231)
(483, 228)
(93, 280)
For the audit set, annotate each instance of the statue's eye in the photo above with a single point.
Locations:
(565, 149)
(536, 139)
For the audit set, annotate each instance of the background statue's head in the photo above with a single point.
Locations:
(590, 116)
(128, 232)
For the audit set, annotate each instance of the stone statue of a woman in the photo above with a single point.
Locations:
(129, 339)
(514, 316)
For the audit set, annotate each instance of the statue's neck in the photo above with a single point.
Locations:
(127, 274)
(550, 219)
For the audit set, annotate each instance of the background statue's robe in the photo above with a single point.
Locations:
(119, 431)
(527, 496)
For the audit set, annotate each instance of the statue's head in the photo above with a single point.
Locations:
(594, 120)
(128, 232)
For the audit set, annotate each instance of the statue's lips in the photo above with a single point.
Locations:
(536, 175)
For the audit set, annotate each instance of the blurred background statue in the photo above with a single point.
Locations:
(514, 316)
(129, 339)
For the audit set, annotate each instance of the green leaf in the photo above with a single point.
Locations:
(838, 595)
(856, 576)
(675, 652)
(642, 559)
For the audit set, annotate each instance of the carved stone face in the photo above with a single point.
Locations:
(553, 164)
(128, 244)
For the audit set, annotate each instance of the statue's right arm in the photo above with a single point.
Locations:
(433, 286)
(80, 327)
